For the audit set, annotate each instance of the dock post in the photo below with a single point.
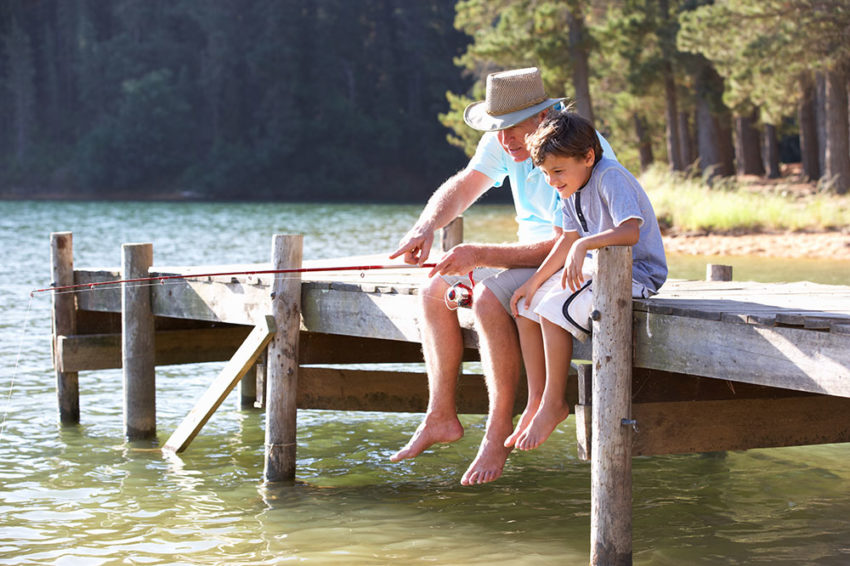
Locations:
(611, 443)
(137, 344)
(247, 397)
(451, 234)
(282, 360)
(64, 324)
(717, 272)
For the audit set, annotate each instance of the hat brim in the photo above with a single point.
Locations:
(477, 118)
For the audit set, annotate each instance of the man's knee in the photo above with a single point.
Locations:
(487, 306)
(433, 291)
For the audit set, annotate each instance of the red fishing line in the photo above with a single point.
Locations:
(163, 278)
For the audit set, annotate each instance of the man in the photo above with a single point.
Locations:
(515, 104)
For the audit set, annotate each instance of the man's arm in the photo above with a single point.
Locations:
(464, 258)
(448, 202)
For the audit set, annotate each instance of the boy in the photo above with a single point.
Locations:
(603, 205)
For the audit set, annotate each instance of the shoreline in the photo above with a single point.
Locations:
(789, 245)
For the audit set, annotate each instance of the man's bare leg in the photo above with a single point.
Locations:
(558, 345)
(500, 358)
(531, 344)
(442, 348)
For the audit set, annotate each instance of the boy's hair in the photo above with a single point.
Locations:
(566, 134)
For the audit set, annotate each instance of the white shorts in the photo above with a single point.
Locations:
(567, 308)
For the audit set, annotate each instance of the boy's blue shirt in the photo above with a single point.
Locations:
(611, 196)
(538, 206)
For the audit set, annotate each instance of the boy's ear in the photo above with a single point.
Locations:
(590, 157)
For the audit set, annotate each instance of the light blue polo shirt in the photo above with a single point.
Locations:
(538, 206)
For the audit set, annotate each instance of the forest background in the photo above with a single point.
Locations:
(362, 100)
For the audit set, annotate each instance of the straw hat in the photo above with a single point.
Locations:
(512, 96)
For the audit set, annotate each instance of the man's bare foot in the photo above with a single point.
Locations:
(489, 462)
(542, 425)
(523, 422)
(429, 432)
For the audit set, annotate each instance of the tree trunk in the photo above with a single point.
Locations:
(748, 145)
(671, 114)
(671, 110)
(578, 57)
(686, 141)
(808, 121)
(820, 114)
(837, 158)
(771, 151)
(644, 142)
(714, 136)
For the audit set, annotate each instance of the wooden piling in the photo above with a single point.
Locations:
(282, 361)
(248, 389)
(64, 324)
(451, 234)
(717, 272)
(611, 453)
(138, 347)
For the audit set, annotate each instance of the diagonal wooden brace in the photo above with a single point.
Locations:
(230, 375)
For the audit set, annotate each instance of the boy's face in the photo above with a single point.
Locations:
(567, 174)
(512, 139)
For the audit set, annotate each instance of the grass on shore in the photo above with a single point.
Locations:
(734, 206)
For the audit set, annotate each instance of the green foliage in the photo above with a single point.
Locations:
(145, 144)
(762, 47)
(282, 99)
(691, 205)
(463, 136)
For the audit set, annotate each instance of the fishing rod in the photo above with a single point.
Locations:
(164, 278)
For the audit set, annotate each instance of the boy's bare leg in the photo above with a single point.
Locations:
(531, 344)
(558, 345)
(442, 347)
(500, 358)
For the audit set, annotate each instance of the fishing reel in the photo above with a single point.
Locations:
(460, 295)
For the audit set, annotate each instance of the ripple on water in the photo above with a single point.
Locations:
(82, 495)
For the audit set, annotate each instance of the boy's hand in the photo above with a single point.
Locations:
(572, 274)
(526, 290)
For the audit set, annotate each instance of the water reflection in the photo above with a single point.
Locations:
(82, 495)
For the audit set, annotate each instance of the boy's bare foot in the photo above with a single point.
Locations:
(429, 432)
(489, 462)
(522, 423)
(542, 425)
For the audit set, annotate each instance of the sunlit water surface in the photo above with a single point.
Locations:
(83, 495)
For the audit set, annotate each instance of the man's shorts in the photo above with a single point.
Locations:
(501, 282)
(567, 308)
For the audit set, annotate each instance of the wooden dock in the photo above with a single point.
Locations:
(712, 365)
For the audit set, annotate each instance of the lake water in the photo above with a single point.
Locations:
(83, 495)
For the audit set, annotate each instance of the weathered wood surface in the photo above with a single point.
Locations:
(64, 318)
(683, 427)
(81, 352)
(221, 386)
(137, 346)
(611, 464)
(794, 335)
(282, 361)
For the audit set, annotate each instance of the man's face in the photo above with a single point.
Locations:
(512, 139)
